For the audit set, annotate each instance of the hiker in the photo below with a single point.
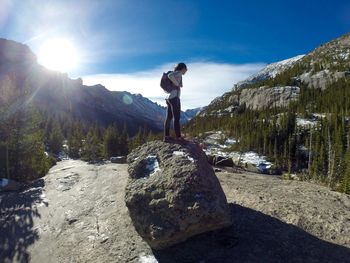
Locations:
(173, 102)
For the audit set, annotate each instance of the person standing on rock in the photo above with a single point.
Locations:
(173, 102)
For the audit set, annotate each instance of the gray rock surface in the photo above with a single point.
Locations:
(265, 97)
(322, 78)
(173, 194)
(77, 213)
(314, 208)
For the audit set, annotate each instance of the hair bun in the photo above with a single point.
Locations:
(180, 66)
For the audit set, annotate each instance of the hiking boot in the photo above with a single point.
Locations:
(181, 140)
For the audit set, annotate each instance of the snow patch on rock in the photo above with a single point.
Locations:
(4, 182)
(147, 259)
(152, 165)
(180, 153)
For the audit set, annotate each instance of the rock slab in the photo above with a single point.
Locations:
(173, 193)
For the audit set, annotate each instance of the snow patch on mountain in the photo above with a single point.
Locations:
(306, 122)
(270, 71)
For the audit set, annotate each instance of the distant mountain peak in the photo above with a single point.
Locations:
(279, 83)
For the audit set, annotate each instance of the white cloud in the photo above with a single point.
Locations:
(202, 83)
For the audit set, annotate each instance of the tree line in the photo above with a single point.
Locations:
(31, 142)
(319, 151)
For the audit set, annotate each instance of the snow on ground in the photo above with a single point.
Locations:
(229, 108)
(215, 151)
(147, 259)
(230, 141)
(152, 165)
(190, 159)
(344, 56)
(214, 137)
(63, 155)
(4, 182)
(214, 140)
(305, 122)
(215, 148)
(320, 115)
(251, 157)
(180, 153)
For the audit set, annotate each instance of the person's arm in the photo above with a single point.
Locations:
(174, 77)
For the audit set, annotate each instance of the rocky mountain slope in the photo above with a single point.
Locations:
(77, 213)
(297, 116)
(270, 71)
(278, 83)
(23, 81)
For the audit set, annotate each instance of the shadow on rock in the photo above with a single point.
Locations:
(254, 237)
(18, 210)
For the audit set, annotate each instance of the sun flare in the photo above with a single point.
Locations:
(58, 54)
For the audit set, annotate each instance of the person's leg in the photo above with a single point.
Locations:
(177, 112)
(168, 119)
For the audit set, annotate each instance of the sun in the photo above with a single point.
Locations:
(58, 54)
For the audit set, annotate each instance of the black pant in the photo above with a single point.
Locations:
(174, 110)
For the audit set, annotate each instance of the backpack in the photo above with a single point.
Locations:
(166, 84)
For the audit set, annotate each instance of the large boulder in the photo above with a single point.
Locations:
(173, 193)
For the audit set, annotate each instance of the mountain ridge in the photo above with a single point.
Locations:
(323, 65)
(54, 93)
(270, 71)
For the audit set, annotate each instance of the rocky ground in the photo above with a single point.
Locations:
(77, 214)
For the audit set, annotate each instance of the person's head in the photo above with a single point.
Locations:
(181, 67)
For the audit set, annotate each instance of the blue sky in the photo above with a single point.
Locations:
(126, 38)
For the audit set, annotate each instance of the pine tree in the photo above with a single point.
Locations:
(310, 154)
(338, 155)
(111, 142)
(25, 156)
(123, 141)
(345, 181)
(92, 146)
(137, 140)
(55, 138)
(75, 138)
